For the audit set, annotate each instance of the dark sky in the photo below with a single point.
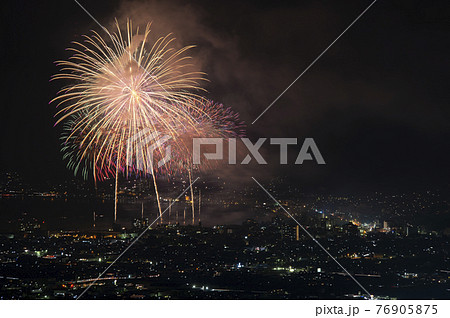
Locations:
(377, 103)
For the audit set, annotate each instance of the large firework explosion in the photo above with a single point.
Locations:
(121, 85)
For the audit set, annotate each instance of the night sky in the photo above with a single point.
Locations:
(377, 103)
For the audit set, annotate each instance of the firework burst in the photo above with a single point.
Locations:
(213, 120)
(121, 85)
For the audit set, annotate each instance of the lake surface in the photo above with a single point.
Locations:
(78, 213)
